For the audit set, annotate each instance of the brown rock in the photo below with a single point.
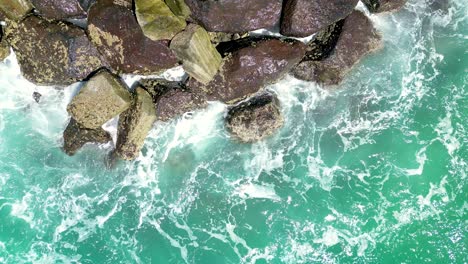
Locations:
(255, 119)
(302, 18)
(248, 69)
(235, 16)
(358, 38)
(115, 32)
(59, 9)
(324, 42)
(75, 137)
(15, 9)
(4, 47)
(378, 6)
(52, 53)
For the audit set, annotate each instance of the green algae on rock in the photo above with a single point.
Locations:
(76, 136)
(15, 9)
(157, 20)
(255, 119)
(103, 97)
(134, 125)
(179, 8)
(199, 57)
(4, 46)
(52, 53)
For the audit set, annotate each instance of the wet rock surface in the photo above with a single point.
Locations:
(117, 35)
(378, 6)
(52, 53)
(37, 97)
(15, 9)
(134, 125)
(59, 9)
(247, 70)
(358, 38)
(103, 97)
(4, 46)
(235, 16)
(302, 18)
(255, 119)
(76, 136)
(324, 42)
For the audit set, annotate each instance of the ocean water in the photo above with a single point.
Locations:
(373, 171)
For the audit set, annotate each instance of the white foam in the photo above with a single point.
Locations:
(252, 191)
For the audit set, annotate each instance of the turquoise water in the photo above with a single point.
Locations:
(372, 172)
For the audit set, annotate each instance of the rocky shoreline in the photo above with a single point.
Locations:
(60, 42)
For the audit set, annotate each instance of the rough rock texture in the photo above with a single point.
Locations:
(116, 33)
(15, 9)
(59, 9)
(324, 42)
(4, 47)
(52, 53)
(200, 58)
(179, 8)
(378, 6)
(358, 38)
(235, 16)
(219, 37)
(248, 69)
(75, 136)
(302, 18)
(173, 99)
(134, 125)
(157, 20)
(255, 119)
(103, 97)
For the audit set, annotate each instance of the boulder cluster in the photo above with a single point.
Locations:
(60, 42)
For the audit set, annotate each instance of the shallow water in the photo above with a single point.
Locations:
(372, 172)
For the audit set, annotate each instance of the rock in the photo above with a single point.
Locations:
(379, 6)
(324, 42)
(255, 119)
(117, 35)
(15, 9)
(37, 97)
(200, 58)
(52, 53)
(157, 20)
(4, 47)
(179, 8)
(235, 16)
(173, 99)
(103, 97)
(59, 9)
(219, 37)
(302, 18)
(134, 125)
(75, 137)
(248, 69)
(358, 38)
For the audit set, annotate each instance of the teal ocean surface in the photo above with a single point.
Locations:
(374, 171)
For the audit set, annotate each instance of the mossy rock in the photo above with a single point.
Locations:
(15, 9)
(76, 136)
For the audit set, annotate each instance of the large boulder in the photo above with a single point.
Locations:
(4, 47)
(173, 99)
(255, 119)
(251, 67)
(324, 42)
(302, 18)
(200, 58)
(15, 9)
(235, 16)
(358, 38)
(52, 53)
(134, 125)
(116, 33)
(157, 20)
(378, 6)
(76, 136)
(60, 9)
(179, 8)
(103, 97)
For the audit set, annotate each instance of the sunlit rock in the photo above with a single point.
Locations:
(4, 46)
(15, 9)
(179, 8)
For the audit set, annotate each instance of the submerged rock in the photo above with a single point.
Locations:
(117, 35)
(59, 9)
(52, 53)
(302, 18)
(255, 119)
(248, 69)
(324, 42)
(76, 136)
(199, 57)
(103, 97)
(134, 125)
(173, 99)
(235, 16)
(378, 6)
(358, 38)
(157, 20)
(37, 97)
(15, 9)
